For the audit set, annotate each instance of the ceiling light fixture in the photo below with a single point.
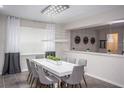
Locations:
(54, 9)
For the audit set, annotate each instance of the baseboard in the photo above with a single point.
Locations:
(109, 81)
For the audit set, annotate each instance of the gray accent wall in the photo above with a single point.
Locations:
(100, 33)
(82, 33)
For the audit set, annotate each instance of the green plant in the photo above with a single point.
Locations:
(53, 58)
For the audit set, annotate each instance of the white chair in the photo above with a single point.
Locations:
(83, 62)
(39, 56)
(46, 81)
(34, 74)
(29, 70)
(64, 59)
(75, 78)
(71, 60)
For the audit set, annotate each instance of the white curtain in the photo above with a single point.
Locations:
(49, 38)
(13, 33)
(12, 55)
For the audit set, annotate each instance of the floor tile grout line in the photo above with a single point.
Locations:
(3, 82)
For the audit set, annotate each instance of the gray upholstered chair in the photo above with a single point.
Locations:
(29, 70)
(50, 53)
(39, 56)
(75, 78)
(64, 59)
(71, 60)
(46, 81)
(83, 62)
(35, 76)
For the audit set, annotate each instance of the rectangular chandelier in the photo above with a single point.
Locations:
(54, 9)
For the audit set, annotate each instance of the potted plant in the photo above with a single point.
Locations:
(55, 59)
(87, 49)
(109, 50)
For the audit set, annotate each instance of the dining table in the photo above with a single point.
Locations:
(57, 68)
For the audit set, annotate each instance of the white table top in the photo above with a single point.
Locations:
(60, 70)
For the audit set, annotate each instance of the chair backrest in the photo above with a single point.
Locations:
(28, 65)
(51, 53)
(77, 75)
(82, 62)
(64, 59)
(39, 56)
(42, 77)
(71, 60)
(34, 70)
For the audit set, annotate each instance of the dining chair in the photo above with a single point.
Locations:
(71, 60)
(29, 70)
(50, 53)
(64, 59)
(83, 62)
(39, 56)
(46, 81)
(35, 76)
(75, 78)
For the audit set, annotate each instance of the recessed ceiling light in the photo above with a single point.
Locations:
(1, 6)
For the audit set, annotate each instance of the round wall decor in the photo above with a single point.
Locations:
(85, 40)
(77, 40)
(92, 40)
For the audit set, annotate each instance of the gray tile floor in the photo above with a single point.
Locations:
(19, 81)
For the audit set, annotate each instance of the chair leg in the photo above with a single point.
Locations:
(28, 76)
(67, 85)
(32, 82)
(72, 86)
(53, 86)
(30, 79)
(85, 81)
(80, 85)
(37, 83)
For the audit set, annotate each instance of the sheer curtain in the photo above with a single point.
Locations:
(49, 39)
(12, 55)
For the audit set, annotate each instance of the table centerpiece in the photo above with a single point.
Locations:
(54, 59)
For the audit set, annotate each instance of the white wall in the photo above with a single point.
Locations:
(107, 67)
(31, 40)
(61, 35)
(97, 19)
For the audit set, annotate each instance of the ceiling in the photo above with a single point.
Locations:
(75, 12)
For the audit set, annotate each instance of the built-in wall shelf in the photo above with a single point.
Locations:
(46, 40)
(61, 41)
(57, 41)
(27, 54)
